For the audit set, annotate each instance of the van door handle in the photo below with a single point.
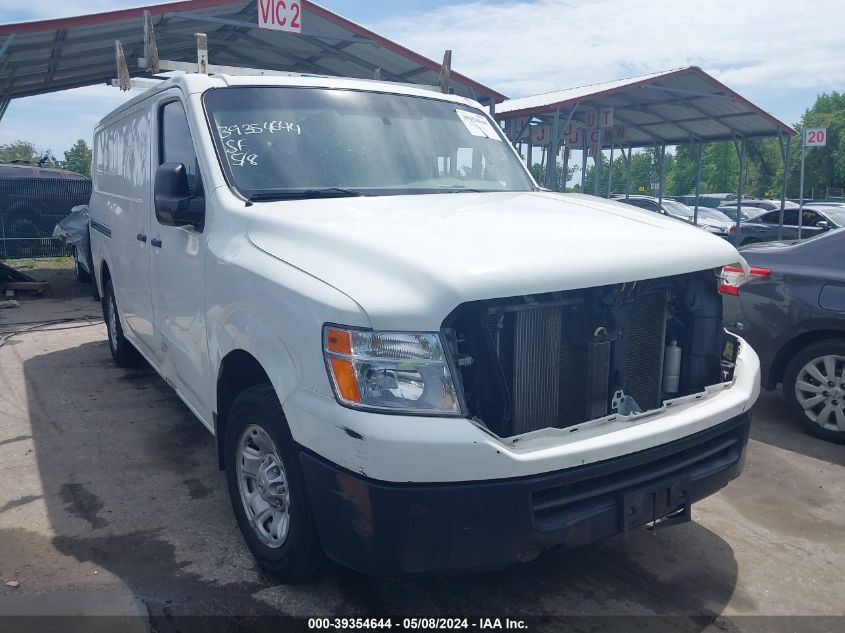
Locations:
(156, 243)
(141, 237)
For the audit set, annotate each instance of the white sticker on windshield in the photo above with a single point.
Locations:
(478, 125)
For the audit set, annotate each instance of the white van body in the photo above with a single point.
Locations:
(250, 294)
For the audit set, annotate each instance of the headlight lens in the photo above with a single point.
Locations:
(390, 371)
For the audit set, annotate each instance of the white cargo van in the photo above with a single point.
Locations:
(413, 358)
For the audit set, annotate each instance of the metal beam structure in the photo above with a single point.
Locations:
(785, 154)
(50, 55)
(740, 151)
(658, 110)
(699, 147)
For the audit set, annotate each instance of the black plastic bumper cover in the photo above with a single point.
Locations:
(388, 528)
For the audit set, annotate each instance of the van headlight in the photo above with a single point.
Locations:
(403, 372)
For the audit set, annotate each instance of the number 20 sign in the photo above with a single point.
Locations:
(816, 137)
(280, 15)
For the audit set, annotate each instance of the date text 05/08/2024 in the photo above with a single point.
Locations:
(413, 624)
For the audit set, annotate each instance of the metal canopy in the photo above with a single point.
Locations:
(665, 108)
(51, 55)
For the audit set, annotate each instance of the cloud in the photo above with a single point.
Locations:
(524, 48)
(49, 9)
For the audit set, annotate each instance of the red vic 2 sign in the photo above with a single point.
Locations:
(280, 15)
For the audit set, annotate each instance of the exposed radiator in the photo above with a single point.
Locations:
(536, 368)
(548, 371)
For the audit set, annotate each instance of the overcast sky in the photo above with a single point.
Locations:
(778, 53)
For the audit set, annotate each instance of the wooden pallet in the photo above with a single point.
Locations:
(12, 281)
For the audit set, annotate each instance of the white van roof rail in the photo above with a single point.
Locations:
(154, 65)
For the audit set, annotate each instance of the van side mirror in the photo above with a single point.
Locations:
(174, 204)
(824, 225)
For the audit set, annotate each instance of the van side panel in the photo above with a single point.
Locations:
(120, 215)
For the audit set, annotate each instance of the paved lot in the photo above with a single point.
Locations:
(110, 502)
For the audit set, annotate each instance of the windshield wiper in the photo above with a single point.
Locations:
(303, 194)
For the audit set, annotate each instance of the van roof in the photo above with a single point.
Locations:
(196, 83)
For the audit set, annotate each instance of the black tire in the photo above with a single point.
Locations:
(82, 275)
(818, 350)
(122, 351)
(300, 556)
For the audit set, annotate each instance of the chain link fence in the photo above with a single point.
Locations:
(30, 208)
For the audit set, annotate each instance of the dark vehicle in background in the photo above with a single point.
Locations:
(762, 204)
(708, 219)
(791, 310)
(816, 220)
(747, 214)
(33, 200)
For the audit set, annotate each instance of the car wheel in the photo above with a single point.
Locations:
(814, 382)
(266, 487)
(122, 351)
(82, 275)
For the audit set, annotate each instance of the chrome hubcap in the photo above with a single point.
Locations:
(820, 390)
(263, 485)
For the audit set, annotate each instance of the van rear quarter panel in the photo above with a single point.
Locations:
(120, 200)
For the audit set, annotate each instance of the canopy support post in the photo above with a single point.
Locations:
(610, 172)
(565, 168)
(662, 163)
(377, 73)
(698, 147)
(740, 150)
(583, 159)
(597, 170)
(628, 173)
(551, 153)
(785, 154)
(554, 145)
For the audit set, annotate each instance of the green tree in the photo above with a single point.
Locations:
(19, 150)
(539, 173)
(824, 166)
(78, 158)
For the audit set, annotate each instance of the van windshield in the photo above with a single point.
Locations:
(281, 142)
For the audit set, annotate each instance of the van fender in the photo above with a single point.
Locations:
(241, 327)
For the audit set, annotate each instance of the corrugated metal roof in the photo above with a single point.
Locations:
(51, 55)
(669, 107)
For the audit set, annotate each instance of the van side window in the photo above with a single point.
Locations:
(176, 145)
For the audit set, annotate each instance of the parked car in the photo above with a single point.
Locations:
(748, 213)
(791, 309)
(764, 205)
(815, 221)
(32, 200)
(413, 358)
(75, 232)
(708, 219)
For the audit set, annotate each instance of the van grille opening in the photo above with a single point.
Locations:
(563, 358)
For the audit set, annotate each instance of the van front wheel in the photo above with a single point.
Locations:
(266, 488)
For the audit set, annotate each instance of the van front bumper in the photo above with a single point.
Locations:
(387, 528)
